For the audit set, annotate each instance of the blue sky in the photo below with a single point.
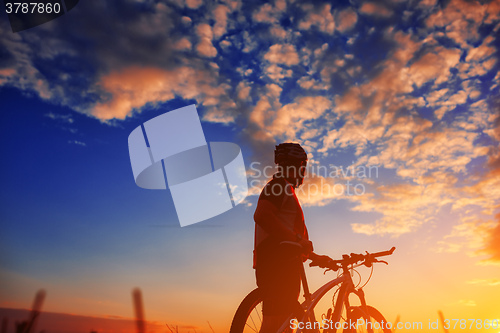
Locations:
(409, 88)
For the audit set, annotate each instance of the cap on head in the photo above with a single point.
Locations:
(288, 153)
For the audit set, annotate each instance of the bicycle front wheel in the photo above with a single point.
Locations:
(248, 317)
(376, 321)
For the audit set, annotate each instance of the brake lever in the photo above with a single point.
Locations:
(369, 263)
(330, 269)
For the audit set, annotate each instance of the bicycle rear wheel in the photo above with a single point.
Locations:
(377, 321)
(248, 317)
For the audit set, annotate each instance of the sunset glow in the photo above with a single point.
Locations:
(397, 104)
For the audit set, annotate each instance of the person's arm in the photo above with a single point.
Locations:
(267, 218)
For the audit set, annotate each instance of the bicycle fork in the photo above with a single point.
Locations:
(343, 300)
(361, 295)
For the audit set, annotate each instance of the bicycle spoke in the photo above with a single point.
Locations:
(256, 324)
(253, 329)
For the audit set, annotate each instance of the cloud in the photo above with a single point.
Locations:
(484, 282)
(321, 18)
(479, 60)
(277, 73)
(220, 14)
(371, 8)
(268, 13)
(427, 3)
(79, 143)
(183, 44)
(278, 31)
(243, 90)
(194, 3)
(21, 72)
(55, 66)
(224, 44)
(484, 194)
(462, 19)
(319, 191)
(134, 87)
(467, 235)
(205, 46)
(290, 121)
(310, 83)
(467, 302)
(404, 208)
(291, 118)
(285, 54)
(492, 243)
(380, 119)
(434, 66)
(436, 186)
(482, 52)
(346, 20)
(264, 14)
(418, 102)
(66, 118)
(446, 150)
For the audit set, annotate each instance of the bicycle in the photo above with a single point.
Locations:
(343, 318)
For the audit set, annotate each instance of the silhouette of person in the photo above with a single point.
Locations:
(279, 218)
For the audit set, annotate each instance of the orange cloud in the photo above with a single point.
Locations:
(307, 83)
(282, 54)
(462, 19)
(268, 13)
(431, 159)
(183, 44)
(265, 14)
(371, 8)
(291, 117)
(278, 31)
(479, 61)
(346, 20)
(5, 74)
(270, 119)
(434, 66)
(220, 15)
(404, 207)
(194, 3)
(323, 19)
(205, 46)
(417, 204)
(481, 52)
(134, 87)
(493, 244)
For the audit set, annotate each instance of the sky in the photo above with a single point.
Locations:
(397, 104)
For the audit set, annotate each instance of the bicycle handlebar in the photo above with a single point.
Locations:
(368, 259)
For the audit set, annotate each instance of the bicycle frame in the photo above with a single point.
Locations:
(346, 288)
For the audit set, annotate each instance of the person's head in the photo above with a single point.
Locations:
(291, 159)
